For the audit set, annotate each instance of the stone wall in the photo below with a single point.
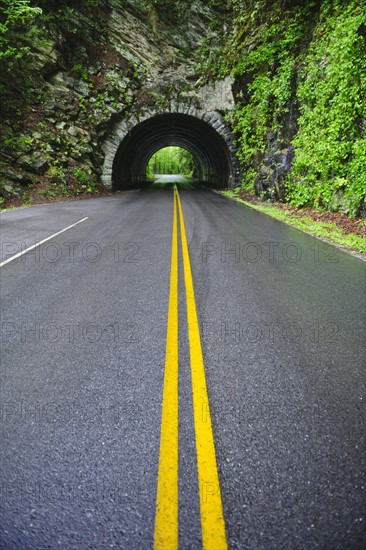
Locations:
(203, 104)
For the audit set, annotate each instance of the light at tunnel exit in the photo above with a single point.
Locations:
(170, 161)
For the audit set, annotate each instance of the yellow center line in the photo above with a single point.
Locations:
(212, 517)
(166, 518)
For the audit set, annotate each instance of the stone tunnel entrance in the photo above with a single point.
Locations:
(196, 136)
(206, 137)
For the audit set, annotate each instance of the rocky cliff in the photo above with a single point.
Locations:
(90, 65)
(287, 79)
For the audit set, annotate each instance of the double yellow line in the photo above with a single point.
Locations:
(166, 519)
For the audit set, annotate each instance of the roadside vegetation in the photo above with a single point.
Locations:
(299, 71)
(333, 227)
(172, 160)
(57, 185)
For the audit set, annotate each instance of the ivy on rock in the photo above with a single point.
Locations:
(300, 84)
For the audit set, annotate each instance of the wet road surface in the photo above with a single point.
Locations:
(84, 338)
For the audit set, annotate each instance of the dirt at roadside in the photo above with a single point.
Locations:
(346, 224)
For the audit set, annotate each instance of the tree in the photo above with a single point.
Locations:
(172, 160)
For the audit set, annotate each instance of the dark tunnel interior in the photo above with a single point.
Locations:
(198, 137)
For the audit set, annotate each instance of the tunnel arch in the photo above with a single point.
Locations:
(204, 135)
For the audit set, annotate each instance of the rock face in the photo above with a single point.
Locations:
(277, 162)
(96, 70)
(276, 165)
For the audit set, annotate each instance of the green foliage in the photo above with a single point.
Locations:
(20, 142)
(82, 177)
(330, 162)
(267, 69)
(261, 54)
(172, 160)
(85, 178)
(82, 104)
(320, 228)
(67, 183)
(308, 57)
(18, 32)
(16, 20)
(80, 72)
(56, 172)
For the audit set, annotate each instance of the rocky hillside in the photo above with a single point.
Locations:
(76, 69)
(71, 70)
(300, 87)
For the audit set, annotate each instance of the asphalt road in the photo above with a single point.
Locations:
(83, 337)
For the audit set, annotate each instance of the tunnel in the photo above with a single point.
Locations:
(204, 142)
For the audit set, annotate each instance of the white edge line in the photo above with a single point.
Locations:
(41, 242)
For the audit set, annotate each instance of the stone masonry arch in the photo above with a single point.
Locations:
(200, 130)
